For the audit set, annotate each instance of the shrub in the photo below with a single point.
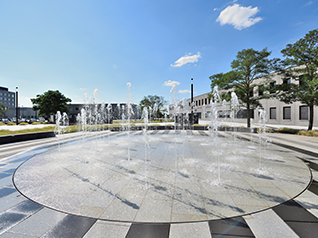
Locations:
(23, 123)
(308, 133)
(287, 130)
(11, 123)
(2, 124)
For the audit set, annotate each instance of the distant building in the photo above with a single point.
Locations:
(279, 113)
(116, 112)
(7, 98)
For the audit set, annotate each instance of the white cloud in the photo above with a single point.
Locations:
(184, 91)
(83, 89)
(308, 3)
(238, 16)
(186, 59)
(171, 83)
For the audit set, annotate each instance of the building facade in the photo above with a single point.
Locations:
(7, 98)
(279, 113)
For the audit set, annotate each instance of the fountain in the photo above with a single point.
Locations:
(151, 183)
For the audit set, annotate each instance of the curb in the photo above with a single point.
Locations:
(24, 137)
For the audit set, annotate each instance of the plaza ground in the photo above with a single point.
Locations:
(23, 218)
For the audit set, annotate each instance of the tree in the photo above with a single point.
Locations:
(50, 102)
(3, 110)
(156, 103)
(248, 66)
(301, 64)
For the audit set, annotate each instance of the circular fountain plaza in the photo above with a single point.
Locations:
(183, 176)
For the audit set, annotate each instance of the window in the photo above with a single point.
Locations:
(205, 101)
(286, 81)
(260, 90)
(302, 80)
(303, 113)
(272, 86)
(286, 113)
(251, 93)
(202, 101)
(76, 108)
(199, 102)
(196, 103)
(243, 113)
(272, 113)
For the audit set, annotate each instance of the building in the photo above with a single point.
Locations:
(116, 112)
(279, 113)
(7, 98)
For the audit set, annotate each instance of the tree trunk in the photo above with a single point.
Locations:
(248, 115)
(311, 117)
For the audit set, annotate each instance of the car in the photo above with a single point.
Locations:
(5, 120)
(32, 120)
(42, 119)
(23, 120)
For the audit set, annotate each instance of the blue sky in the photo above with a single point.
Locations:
(78, 46)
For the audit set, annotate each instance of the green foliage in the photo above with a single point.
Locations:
(248, 66)
(312, 133)
(308, 133)
(152, 100)
(8, 132)
(11, 123)
(23, 123)
(3, 110)
(287, 130)
(2, 124)
(301, 64)
(50, 102)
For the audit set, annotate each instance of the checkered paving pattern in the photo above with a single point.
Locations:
(22, 218)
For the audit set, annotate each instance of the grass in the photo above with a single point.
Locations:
(297, 132)
(75, 128)
(8, 132)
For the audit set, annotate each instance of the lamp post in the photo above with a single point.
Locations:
(16, 106)
(192, 101)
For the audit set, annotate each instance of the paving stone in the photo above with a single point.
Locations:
(108, 229)
(39, 223)
(70, 227)
(197, 229)
(268, 224)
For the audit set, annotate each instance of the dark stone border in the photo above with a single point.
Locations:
(39, 135)
(199, 128)
(24, 137)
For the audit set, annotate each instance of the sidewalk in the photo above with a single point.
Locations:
(255, 124)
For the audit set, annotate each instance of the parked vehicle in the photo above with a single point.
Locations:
(32, 120)
(42, 119)
(5, 120)
(23, 120)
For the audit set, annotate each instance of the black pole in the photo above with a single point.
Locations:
(192, 101)
(16, 106)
